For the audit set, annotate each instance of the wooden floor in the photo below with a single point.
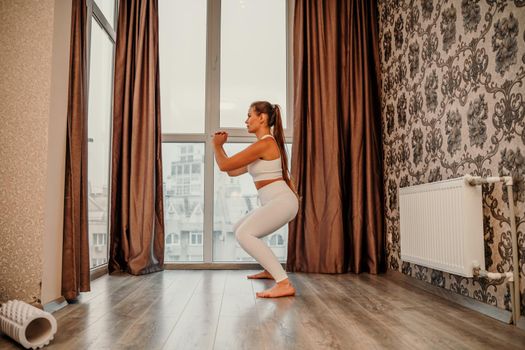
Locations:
(217, 310)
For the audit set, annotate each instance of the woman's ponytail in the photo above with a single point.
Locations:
(275, 121)
(278, 133)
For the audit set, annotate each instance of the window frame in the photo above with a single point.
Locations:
(212, 119)
(94, 13)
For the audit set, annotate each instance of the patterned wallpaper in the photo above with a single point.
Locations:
(453, 75)
(25, 68)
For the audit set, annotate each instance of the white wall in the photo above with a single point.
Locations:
(57, 129)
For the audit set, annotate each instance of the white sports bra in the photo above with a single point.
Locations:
(265, 169)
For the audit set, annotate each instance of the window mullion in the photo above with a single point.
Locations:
(289, 68)
(213, 37)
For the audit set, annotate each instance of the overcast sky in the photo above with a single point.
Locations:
(253, 60)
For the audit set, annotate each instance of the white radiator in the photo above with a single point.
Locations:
(442, 226)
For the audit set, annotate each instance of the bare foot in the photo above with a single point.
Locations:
(281, 289)
(261, 275)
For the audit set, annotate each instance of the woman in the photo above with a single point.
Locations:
(267, 163)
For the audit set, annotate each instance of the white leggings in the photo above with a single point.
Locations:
(279, 206)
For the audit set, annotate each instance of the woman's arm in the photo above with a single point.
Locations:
(241, 159)
(238, 172)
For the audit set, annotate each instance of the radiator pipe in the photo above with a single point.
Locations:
(478, 180)
(515, 263)
(516, 293)
(508, 278)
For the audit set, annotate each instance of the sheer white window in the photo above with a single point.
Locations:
(102, 44)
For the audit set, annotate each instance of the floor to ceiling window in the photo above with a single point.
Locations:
(101, 41)
(216, 57)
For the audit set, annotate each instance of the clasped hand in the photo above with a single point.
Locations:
(219, 138)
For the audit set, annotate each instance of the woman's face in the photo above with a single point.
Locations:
(252, 121)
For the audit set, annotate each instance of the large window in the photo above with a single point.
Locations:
(102, 44)
(216, 57)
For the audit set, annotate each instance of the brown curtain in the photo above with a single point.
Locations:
(75, 250)
(137, 221)
(337, 159)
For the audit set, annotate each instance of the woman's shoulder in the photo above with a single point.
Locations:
(270, 149)
(268, 141)
(265, 141)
